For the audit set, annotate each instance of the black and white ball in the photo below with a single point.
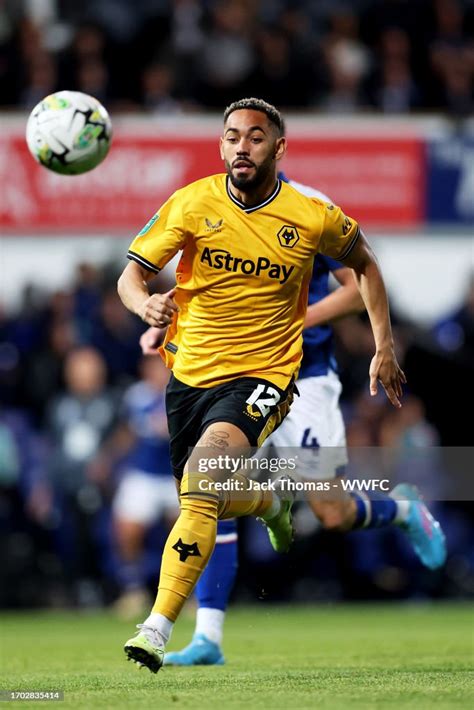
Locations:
(69, 132)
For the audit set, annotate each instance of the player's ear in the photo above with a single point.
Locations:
(221, 147)
(280, 148)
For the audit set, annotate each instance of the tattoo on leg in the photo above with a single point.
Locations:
(215, 439)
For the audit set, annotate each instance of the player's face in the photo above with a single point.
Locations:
(250, 148)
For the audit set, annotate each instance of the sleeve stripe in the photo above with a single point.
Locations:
(143, 262)
(350, 247)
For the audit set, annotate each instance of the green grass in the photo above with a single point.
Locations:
(329, 657)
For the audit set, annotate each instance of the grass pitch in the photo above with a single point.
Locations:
(330, 657)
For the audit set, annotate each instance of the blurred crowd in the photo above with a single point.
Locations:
(171, 56)
(86, 494)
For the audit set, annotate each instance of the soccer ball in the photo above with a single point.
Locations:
(69, 132)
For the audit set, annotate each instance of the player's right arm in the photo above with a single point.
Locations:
(157, 243)
(156, 310)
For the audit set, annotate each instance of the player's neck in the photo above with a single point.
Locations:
(256, 196)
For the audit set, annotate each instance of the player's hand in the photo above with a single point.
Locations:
(158, 309)
(385, 369)
(151, 339)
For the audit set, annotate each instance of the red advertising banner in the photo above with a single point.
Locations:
(378, 180)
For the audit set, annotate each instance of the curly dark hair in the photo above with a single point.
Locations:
(272, 113)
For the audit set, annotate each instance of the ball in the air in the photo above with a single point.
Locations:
(69, 132)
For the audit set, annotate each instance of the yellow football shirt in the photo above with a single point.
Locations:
(242, 280)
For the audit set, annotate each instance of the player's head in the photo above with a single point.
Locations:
(253, 141)
(273, 115)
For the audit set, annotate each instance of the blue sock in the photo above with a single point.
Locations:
(215, 584)
(375, 512)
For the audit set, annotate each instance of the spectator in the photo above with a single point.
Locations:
(79, 424)
(392, 87)
(311, 54)
(348, 63)
(93, 78)
(158, 88)
(45, 366)
(187, 39)
(26, 513)
(452, 59)
(86, 298)
(279, 77)
(40, 80)
(115, 333)
(228, 56)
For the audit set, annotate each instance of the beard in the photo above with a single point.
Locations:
(248, 183)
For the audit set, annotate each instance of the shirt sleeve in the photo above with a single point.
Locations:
(340, 233)
(161, 238)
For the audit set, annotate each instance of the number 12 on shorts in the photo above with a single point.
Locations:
(264, 397)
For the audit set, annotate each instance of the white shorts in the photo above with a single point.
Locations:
(314, 429)
(145, 498)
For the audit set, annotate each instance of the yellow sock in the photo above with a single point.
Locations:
(192, 539)
(187, 550)
(242, 500)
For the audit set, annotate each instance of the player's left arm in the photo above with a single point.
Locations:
(343, 301)
(384, 366)
(342, 239)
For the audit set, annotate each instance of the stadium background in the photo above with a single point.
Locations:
(377, 97)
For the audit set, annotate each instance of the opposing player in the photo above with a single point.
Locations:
(314, 421)
(234, 338)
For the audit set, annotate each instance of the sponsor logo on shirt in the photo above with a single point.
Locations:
(220, 259)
